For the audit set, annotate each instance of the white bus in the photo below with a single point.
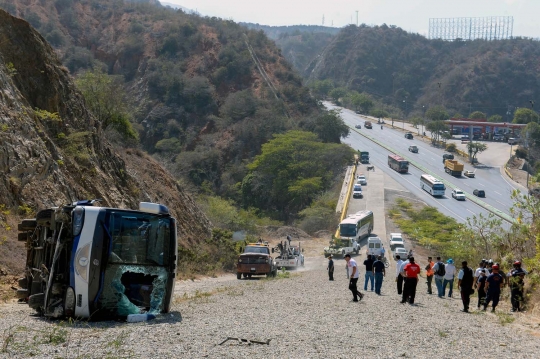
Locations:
(357, 225)
(432, 185)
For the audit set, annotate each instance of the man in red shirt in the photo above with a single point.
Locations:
(410, 274)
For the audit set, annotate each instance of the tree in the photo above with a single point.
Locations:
(337, 94)
(436, 128)
(437, 113)
(106, 99)
(362, 101)
(475, 148)
(321, 89)
(525, 115)
(457, 115)
(477, 115)
(330, 127)
(495, 118)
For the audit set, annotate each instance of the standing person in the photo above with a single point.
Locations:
(383, 251)
(440, 271)
(515, 280)
(369, 272)
(481, 285)
(482, 265)
(450, 272)
(465, 283)
(429, 274)
(410, 273)
(353, 272)
(494, 283)
(489, 267)
(399, 277)
(289, 239)
(330, 268)
(380, 272)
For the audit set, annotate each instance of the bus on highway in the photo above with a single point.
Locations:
(357, 225)
(398, 163)
(432, 185)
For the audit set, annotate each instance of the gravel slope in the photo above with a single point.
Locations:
(305, 316)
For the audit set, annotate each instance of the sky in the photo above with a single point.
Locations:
(410, 15)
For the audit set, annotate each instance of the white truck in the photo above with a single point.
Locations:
(374, 246)
(342, 246)
(290, 256)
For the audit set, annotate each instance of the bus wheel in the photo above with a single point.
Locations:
(238, 275)
(244, 275)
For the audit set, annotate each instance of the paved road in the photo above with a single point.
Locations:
(497, 188)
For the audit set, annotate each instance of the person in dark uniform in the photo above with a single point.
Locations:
(494, 283)
(465, 284)
(330, 268)
(515, 280)
(481, 285)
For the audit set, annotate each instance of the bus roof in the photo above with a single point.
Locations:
(430, 178)
(354, 218)
(397, 157)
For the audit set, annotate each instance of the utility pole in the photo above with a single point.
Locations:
(356, 17)
(323, 20)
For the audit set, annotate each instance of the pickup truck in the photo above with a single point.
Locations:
(342, 246)
(469, 174)
(367, 124)
(256, 260)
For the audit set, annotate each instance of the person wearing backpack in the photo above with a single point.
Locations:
(439, 272)
(465, 283)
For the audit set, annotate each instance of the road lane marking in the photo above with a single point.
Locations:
(498, 194)
(481, 184)
(474, 214)
(500, 203)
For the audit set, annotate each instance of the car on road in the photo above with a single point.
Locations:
(479, 193)
(361, 179)
(447, 156)
(357, 191)
(401, 251)
(513, 141)
(359, 126)
(458, 194)
(395, 238)
(409, 136)
(413, 149)
(498, 138)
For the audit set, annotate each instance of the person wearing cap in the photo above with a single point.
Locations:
(330, 268)
(515, 280)
(465, 283)
(450, 272)
(481, 286)
(489, 265)
(429, 274)
(410, 273)
(494, 283)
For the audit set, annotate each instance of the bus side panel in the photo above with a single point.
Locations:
(98, 261)
(86, 237)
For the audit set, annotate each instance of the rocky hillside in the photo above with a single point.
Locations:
(206, 93)
(52, 150)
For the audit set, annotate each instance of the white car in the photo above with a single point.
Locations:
(396, 238)
(361, 179)
(401, 252)
(357, 191)
(458, 194)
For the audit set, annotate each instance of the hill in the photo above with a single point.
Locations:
(53, 151)
(410, 71)
(205, 93)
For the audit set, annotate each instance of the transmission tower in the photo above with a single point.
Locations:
(471, 28)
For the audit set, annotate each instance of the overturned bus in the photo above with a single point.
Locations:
(86, 261)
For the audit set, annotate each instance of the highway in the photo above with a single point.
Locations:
(497, 188)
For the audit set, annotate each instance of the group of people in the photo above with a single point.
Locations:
(488, 279)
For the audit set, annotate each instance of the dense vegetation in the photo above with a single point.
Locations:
(200, 94)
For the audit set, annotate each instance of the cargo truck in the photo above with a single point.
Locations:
(364, 156)
(453, 167)
(367, 124)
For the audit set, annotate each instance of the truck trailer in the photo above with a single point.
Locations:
(453, 167)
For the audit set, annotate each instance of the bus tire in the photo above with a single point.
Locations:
(27, 225)
(44, 216)
(36, 300)
(238, 275)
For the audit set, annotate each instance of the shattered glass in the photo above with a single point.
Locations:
(133, 300)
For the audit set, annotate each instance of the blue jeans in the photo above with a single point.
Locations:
(439, 284)
(369, 276)
(378, 282)
(448, 281)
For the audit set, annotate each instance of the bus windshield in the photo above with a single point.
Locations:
(139, 238)
(404, 164)
(438, 186)
(347, 230)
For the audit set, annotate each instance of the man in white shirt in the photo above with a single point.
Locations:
(478, 270)
(399, 277)
(353, 274)
(438, 269)
(450, 270)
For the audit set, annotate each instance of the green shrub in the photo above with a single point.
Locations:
(451, 147)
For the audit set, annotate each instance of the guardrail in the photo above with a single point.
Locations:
(508, 172)
(473, 198)
(347, 199)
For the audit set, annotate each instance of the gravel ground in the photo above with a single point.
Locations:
(305, 316)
